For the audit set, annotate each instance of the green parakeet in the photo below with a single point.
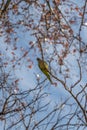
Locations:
(44, 68)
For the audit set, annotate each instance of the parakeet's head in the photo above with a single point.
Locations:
(38, 59)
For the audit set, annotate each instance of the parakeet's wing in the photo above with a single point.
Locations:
(46, 65)
(43, 65)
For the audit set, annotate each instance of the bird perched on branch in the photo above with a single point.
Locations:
(44, 68)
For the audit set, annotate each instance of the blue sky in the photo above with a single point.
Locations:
(28, 76)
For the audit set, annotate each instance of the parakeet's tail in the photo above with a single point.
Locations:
(50, 80)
